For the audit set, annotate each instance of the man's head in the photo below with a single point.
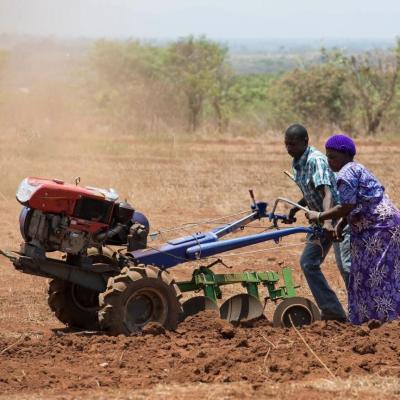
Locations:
(296, 140)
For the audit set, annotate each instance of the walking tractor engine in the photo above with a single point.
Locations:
(93, 287)
(68, 218)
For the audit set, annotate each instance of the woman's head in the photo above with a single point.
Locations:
(340, 149)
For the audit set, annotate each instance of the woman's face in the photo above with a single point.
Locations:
(337, 159)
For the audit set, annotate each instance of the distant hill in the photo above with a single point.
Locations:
(273, 55)
(247, 56)
(282, 46)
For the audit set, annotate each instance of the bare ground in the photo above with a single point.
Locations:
(41, 359)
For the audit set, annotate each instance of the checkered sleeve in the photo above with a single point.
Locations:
(320, 172)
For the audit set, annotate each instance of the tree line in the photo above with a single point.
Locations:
(190, 84)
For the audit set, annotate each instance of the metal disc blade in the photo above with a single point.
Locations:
(242, 307)
(197, 304)
(298, 311)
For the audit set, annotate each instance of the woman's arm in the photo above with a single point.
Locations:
(338, 233)
(336, 212)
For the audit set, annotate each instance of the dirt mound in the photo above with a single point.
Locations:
(202, 349)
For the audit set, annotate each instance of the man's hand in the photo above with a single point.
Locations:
(312, 216)
(291, 216)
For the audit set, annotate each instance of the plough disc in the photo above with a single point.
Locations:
(242, 307)
(196, 304)
(297, 311)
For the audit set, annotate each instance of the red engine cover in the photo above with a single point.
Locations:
(55, 196)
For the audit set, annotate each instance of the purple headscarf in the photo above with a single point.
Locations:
(341, 143)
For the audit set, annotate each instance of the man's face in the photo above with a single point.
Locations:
(295, 146)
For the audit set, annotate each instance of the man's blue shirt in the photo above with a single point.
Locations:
(312, 171)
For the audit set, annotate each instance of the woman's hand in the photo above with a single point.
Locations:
(329, 229)
(338, 234)
(312, 216)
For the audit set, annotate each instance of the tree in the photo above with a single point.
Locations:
(222, 98)
(316, 95)
(196, 66)
(374, 78)
(242, 96)
(349, 92)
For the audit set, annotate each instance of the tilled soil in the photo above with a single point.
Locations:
(202, 349)
(205, 357)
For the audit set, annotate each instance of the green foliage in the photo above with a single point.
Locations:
(352, 93)
(192, 70)
(374, 78)
(317, 95)
(189, 81)
(251, 91)
(239, 96)
(197, 67)
(121, 62)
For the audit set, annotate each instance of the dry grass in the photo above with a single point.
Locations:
(377, 386)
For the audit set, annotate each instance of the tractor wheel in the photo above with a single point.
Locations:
(75, 305)
(104, 256)
(298, 311)
(140, 294)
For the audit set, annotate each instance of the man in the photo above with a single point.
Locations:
(318, 185)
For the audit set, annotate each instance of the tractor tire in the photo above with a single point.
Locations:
(74, 305)
(104, 256)
(139, 295)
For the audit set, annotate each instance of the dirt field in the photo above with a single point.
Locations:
(175, 179)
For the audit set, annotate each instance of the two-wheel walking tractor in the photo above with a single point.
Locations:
(94, 288)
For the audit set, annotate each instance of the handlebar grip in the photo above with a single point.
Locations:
(287, 220)
(284, 217)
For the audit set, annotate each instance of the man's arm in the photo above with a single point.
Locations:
(327, 203)
(326, 194)
(302, 202)
(293, 211)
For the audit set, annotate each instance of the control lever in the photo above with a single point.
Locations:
(253, 200)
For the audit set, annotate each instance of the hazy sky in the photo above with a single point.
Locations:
(215, 18)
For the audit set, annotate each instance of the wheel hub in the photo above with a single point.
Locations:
(144, 306)
(85, 299)
(298, 316)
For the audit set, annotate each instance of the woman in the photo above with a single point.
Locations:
(374, 285)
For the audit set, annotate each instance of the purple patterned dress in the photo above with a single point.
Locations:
(374, 286)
